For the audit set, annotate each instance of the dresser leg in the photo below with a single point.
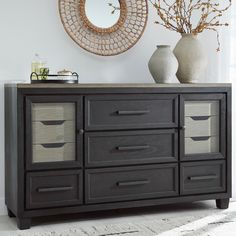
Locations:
(10, 214)
(222, 203)
(23, 223)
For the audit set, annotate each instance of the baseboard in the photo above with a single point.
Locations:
(3, 209)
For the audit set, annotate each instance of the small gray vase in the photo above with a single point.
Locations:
(163, 65)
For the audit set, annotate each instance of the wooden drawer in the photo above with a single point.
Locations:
(202, 126)
(204, 144)
(201, 108)
(131, 183)
(130, 112)
(53, 152)
(53, 188)
(203, 177)
(133, 147)
(53, 111)
(53, 132)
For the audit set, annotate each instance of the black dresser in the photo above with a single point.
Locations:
(83, 148)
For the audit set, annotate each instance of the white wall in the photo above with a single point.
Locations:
(31, 26)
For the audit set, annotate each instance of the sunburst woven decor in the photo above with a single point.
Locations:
(105, 41)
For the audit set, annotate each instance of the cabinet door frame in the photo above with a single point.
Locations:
(78, 162)
(221, 97)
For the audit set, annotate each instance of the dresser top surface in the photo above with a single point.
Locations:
(102, 86)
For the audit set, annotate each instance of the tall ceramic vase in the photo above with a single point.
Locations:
(163, 65)
(191, 57)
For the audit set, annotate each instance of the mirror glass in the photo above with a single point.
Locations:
(102, 13)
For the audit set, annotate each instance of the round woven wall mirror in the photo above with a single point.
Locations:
(104, 27)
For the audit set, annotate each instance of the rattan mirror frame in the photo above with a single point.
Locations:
(105, 41)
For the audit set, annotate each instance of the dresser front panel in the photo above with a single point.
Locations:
(131, 147)
(131, 112)
(53, 189)
(203, 177)
(131, 183)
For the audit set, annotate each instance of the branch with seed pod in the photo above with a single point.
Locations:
(114, 8)
(178, 15)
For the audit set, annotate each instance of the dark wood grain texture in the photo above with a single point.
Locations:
(54, 188)
(130, 150)
(131, 112)
(130, 183)
(202, 177)
(11, 153)
(130, 147)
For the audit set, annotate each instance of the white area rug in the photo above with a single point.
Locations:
(176, 220)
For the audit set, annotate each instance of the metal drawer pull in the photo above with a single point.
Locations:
(133, 148)
(53, 122)
(53, 145)
(57, 189)
(133, 183)
(205, 138)
(207, 177)
(200, 117)
(143, 112)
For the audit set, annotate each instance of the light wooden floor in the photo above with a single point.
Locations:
(192, 219)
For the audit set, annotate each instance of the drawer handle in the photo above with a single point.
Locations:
(133, 148)
(57, 189)
(132, 183)
(127, 113)
(200, 138)
(53, 145)
(207, 177)
(53, 122)
(200, 117)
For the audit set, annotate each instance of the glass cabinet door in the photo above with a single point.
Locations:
(203, 127)
(53, 133)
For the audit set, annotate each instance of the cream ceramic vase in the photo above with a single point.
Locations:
(191, 57)
(163, 65)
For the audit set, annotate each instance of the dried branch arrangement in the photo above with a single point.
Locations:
(179, 15)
